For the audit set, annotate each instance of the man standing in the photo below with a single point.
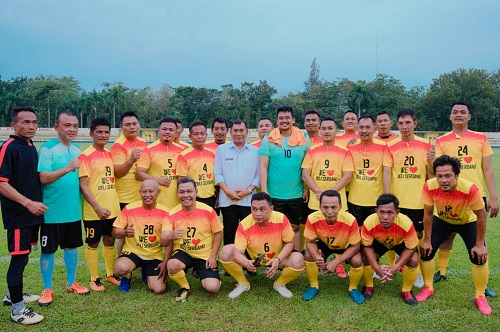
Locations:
(312, 120)
(264, 127)
(219, 130)
(454, 205)
(281, 156)
(100, 204)
(22, 208)
(236, 172)
(180, 130)
(350, 124)
(58, 167)
(383, 125)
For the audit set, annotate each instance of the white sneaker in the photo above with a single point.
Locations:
(419, 282)
(240, 289)
(26, 316)
(283, 290)
(375, 275)
(27, 298)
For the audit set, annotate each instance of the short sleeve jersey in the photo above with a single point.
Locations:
(284, 172)
(408, 161)
(366, 183)
(198, 165)
(386, 139)
(339, 236)
(268, 240)
(212, 146)
(401, 231)
(470, 148)
(344, 139)
(62, 197)
(161, 160)
(257, 144)
(453, 207)
(98, 167)
(327, 165)
(148, 225)
(127, 187)
(199, 227)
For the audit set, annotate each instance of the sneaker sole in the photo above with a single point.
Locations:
(44, 304)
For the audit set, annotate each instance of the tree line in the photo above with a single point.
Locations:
(251, 101)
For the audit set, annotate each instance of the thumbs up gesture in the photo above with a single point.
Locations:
(130, 231)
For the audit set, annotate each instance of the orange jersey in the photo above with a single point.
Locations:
(268, 240)
(198, 165)
(161, 160)
(98, 167)
(401, 231)
(183, 144)
(344, 139)
(199, 227)
(453, 207)
(316, 140)
(257, 143)
(148, 225)
(340, 235)
(212, 146)
(127, 187)
(327, 164)
(408, 161)
(470, 148)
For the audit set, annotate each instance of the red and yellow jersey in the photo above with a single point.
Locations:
(316, 140)
(268, 240)
(453, 207)
(198, 165)
(127, 187)
(98, 167)
(401, 231)
(327, 164)
(148, 225)
(198, 229)
(183, 144)
(257, 143)
(470, 148)
(367, 183)
(344, 139)
(386, 139)
(340, 235)
(212, 146)
(408, 161)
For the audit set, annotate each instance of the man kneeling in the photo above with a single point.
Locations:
(263, 238)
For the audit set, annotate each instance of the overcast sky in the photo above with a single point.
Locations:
(215, 42)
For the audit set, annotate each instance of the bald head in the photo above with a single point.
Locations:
(149, 193)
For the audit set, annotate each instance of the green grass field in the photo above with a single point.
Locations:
(262, 309)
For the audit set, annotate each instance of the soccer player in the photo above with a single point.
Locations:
(200, 241)
(264, 237)
(475, 153)
(312, 121)
(219, 130)
(332, 231)
(281, 155)
(384, 230)
(236, 172)
(58, 168)
(350, 124)
(100, 204)
(159, 162)
(383, 125)
(140, 224)
(180, 130)
(453, 204)
(264, 127)
(22, 208)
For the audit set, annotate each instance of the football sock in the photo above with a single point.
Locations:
(47, 269)
(236, 271)
(92, 259)
(391, 257)
(71, 262)
(109, 254)
(410, 274)
(480, 277)
(355, 275)
(180, 279)
(443, 260)
(288, 274)
(368, 276)
(312, 274)
(428, 268)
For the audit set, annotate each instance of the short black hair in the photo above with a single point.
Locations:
(285, 109)
(196, 123)
(168, 120)
(366, 116)
(128, 113)
(186, 180)
(330, 193)
(262, 196)
(447, 160)
(387, 199)
(329, 119)
(68, 113)
(264, 118)
(383, 112)
(462, 102)
(312, 112)
(238, 122)
(17, 110)
(99, 122)
(406, 112)
(219, 120)
(350, 111)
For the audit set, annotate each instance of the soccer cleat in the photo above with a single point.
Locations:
(26, 316)
(113, 280)
(490, 292)
(340, 271)
(409, 298)
(482, 305)
(356, 296)
(310, 293)
(124, 284)
(283, 290)
(376, 276)
(419, 282)
(77, 289)
(424, 294)
(27, 298)
(195, 274)
(368, 292)
(96, 285)
(240, 289)
(182, 295)
(438, 277)
(46, 298)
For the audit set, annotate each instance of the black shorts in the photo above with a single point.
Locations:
(95, 229)
(67, 235)
(291, 208)
(327, 252)
(360, 212)
(380, 249)
(20, 240)
(149, 266)
(197, 264)
(416, 216)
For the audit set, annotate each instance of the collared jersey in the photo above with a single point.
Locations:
(127, 187)
(344, 139)
(386, 139)
(268, 240)
(212, 146)
(454, 207)
(340, 235)
(198, 165)
(401, 231)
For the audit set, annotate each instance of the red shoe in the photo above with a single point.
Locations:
(368, 292)
(424, 294)
(482, 305)
(340, 271)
